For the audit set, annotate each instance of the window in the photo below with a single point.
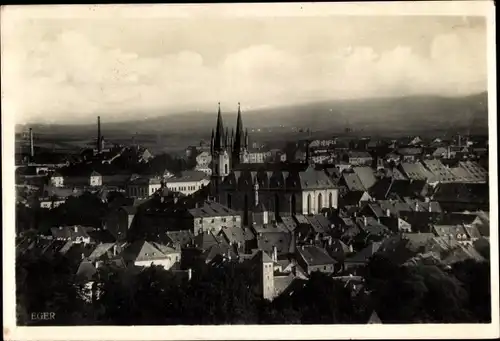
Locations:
(223, 220)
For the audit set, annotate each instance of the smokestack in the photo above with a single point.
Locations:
(98, 134)
(32, 147)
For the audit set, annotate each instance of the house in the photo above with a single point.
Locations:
(95, 179)
(410, 154)
(440, 173)
(75, 234)
(188, 182)
(366, 176)
(359, 158)
(57, 180)
(143, 187)
(462, 196)
(453, 232)
(372, 227)
(415, 171)
(362, 257)
(144, 254)
(210, 216)
(352, 181)
(273, 235)
(312, 258)
(51, 202)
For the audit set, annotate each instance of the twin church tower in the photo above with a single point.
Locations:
(228, 151)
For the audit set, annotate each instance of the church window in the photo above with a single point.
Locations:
(309, 208)
(330, 200)
(226, 169)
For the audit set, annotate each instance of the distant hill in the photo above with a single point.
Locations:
(412, 114)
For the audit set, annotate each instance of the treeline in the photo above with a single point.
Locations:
(226, 295)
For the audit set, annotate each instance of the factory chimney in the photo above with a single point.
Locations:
(99, 134)
(32, 147)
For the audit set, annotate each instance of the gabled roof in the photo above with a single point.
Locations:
(188, 176)
(366, 176)
(353, 182)
(182, 238)
(211, 209)
(365, 254)
(233, 234)
(100, 251)
(205, 240)
(141, 251)
(374, 319)
(314, 255)
(312, 178)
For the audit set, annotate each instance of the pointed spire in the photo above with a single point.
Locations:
(219, 132)
(246, 139)
(238, 138)
(226, 141)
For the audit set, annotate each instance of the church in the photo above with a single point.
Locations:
(264, 192)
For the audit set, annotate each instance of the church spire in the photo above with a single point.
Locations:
(219, 133)
(238, 138)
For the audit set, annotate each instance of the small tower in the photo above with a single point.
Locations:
(266, 265)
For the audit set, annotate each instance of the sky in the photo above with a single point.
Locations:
(70, 69)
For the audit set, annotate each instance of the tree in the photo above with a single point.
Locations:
(413, 294)
(47, 284)
(475, 277)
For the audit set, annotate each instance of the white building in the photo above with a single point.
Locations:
(188, 183)
(145, 254)
(143, 187)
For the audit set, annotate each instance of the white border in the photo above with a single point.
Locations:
(10, 14)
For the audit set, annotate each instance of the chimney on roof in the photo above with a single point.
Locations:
(76, 228)
(83, 255)
(275, 254)
(388, 212)
(115, 250)
(350, 248)
(430, 207)
(416, 206)
(365, 221)
(330, 240)
(190, 274)
(32, 147)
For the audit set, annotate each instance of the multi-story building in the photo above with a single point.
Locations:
(188, 182)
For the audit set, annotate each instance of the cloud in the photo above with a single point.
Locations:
(71, 78)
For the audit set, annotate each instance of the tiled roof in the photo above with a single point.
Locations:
(234, 234)
(415, 171)
(365, 254)
(69, 232)
(188, 176)
(100, 251)
(366, 176)
(211, 209)
(353, 182)
(319, 223)
(182, 238)
(314, 255)
(141, 251)
(315, 179)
